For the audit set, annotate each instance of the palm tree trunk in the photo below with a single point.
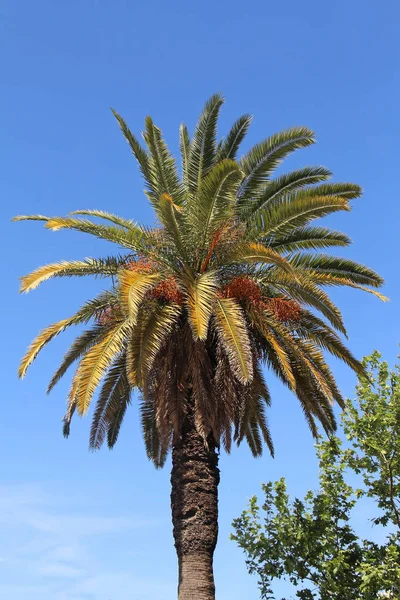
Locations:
(194, 502)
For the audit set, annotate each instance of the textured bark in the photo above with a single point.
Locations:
(194, 502)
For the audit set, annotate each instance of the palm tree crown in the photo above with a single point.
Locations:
(230, 278)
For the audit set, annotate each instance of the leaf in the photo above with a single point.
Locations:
(102, 214)
(164, 174)
(64, 268)
(79, 347)
(96, 362)
(215, 201)
(257, 253)
(137, 149)
(201, 296)
(184, 146)
(40, 341)
(203, 145)
(230, 145)
(262, 159)
(308, 238)
(133, 287)
(232, 330)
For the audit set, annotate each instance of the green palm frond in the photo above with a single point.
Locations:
(171, 218)
(259, 254)
(262, 159)
(117, 410)
(291, 214)
(303, 290)
(338, 189)
(308, 238)
(229, 146)
(253, 423)
(337, 267)
(232, 330)
(312, 328)
(137, 149)
(203, 144)
(282, 188)
(184, 146)
(215, 202)
(107, 216)
(108, 401)
(164, 174)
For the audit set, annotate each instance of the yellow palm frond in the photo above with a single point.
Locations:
(258, 253)
(95, 363)
(35, 278)
(276, 335)
(158, 327)
(232, 329)
(331, 279)
(40, 341)
(201, 296)
(133, 287)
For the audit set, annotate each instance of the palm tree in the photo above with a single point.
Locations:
(227, 280)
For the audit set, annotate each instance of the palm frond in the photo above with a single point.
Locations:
(108, 398)
(303, 290)
(157, 446)
(232, 331)
(338, 189)
(336, 267)
(262, 159)
(30, 218)
(116, 414)
(215, 201)
(170, 217)
(230, 145)
(281, 188)
(137, 149)
(96, 362)
(107, 216)
(79, 347)
(201, 296)
(203, 145)
(133, 240)
(165, 179)
(312, 328)
(133, 287)
(103, 267)
(259, 254)
(41, 340)
(308, 238)
(184, 146)
(157, 328)
(291, 214)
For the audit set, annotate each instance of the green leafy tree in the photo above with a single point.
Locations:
(312, 542)
(227, 280)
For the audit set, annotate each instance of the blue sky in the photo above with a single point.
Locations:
(81, 526)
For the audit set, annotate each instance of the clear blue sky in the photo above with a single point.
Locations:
(81, 526)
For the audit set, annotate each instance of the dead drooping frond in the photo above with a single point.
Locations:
(229, 279)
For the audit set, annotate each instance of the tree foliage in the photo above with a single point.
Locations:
(228, 279)
(312, 542)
